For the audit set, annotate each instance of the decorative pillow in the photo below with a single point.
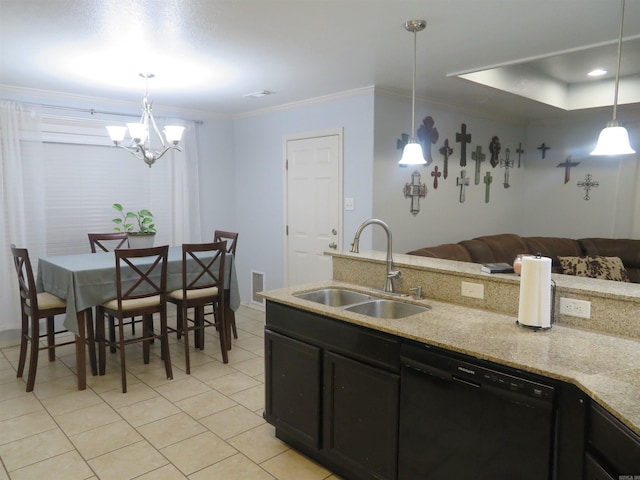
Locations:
(606, 268)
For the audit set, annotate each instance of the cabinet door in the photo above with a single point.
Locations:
(361, 417)
(293, 388)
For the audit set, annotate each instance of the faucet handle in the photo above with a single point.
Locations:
(394, 274)
(418, 290)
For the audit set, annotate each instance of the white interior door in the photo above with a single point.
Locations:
(314, 206)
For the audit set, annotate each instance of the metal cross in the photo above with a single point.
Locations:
(462, 181)
(567, 164)
(463, 138)
(479, 157)
(507, 163)
(544, 149)
(446, 150)
(487, 181)
(435, 174)
(428, 134)
(587, 184)
(415, 190)
(402, 141)
(519, 151)
(494, 150)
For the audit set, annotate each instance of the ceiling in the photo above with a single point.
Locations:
(208, 54)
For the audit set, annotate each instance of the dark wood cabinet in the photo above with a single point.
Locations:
(613, 449)
(332, 391)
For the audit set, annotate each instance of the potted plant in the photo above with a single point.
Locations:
(127, 222)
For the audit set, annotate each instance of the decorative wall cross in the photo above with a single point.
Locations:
(435, 174)
(415, 190)
(587, 184)
(446, 150)
(427, 134)
(494, 150)
(479, 157)
(463, 138)
(507, 163)
(462, 181)
(519, 151)
(567, 164)
(544, 149)
(487, 181)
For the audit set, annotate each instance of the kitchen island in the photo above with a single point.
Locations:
(605, 367)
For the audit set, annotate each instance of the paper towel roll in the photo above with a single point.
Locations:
(534, 309)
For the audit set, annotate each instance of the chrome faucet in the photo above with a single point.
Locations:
(391, 273)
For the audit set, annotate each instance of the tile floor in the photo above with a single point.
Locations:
(207, 425)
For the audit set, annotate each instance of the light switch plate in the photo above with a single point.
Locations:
(474, 290)
(348, 203)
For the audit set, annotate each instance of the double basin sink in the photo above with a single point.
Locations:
(362, 303)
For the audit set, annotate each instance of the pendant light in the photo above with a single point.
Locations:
(412, 153)
(614, 139)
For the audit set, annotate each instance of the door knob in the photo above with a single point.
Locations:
(334, 231)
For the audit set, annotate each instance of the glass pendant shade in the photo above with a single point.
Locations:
(138, 132)
(173, 133)
(117, 133)
(412, 155)
(613, 140)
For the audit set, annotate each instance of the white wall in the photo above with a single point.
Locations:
(442, 218)
(259, 177)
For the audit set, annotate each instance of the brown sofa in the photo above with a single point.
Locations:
(504, 248)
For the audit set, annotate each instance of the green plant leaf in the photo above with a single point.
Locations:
(118, 207)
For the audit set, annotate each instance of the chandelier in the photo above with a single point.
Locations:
(140, 146)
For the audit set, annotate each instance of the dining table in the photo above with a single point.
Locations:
(88, 279)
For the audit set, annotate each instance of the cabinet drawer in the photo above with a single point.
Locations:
(614, 442)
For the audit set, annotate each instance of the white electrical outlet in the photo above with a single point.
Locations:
(474, 290)
(575, 308)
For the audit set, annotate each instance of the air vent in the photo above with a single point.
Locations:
(257, 286)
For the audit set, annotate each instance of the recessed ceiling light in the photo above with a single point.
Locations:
(261, 93)
(597, 72)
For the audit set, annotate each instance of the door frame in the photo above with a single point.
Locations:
(339, 132)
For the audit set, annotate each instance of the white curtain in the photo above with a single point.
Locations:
(21, 199)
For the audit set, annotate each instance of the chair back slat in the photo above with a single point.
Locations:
(103, 241)
(135, 281)
(203, 265)
(26, 281)
(231, 237)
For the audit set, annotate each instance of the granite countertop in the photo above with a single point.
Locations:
(604, 366)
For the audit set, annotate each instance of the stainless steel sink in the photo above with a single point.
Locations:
(387, 309)
(334, 297)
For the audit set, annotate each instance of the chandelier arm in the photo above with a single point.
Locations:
(155, 128)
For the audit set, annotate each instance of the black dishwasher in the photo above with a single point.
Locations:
(462, 419)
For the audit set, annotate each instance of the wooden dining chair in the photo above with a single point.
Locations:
(232, 243)
(34, 307)
(107, 242)
(202, 285)
(141, 284)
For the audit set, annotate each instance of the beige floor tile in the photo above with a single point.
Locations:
(3, 474)
(205, 404)
(34, 449)
(198, 452)
(135, 393)
(105, 439)
(237, 467)
(68, 466)
(157, 376)
(18, 406)
(233, 383)
(127, 463)
(236, 354)
(84, 419)
(259, 444)
(181, 389)
(170, 430)
(253, 366)
(7, 375)
(25, 426)
(58, 386)
(168, 472)
(148, 411)
(72, 401)
(232, 421)
(292, 465)
(250, 342)
(211, 370)
(15, 387)
(252, 398)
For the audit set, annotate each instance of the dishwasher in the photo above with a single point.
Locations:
(462, 418)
